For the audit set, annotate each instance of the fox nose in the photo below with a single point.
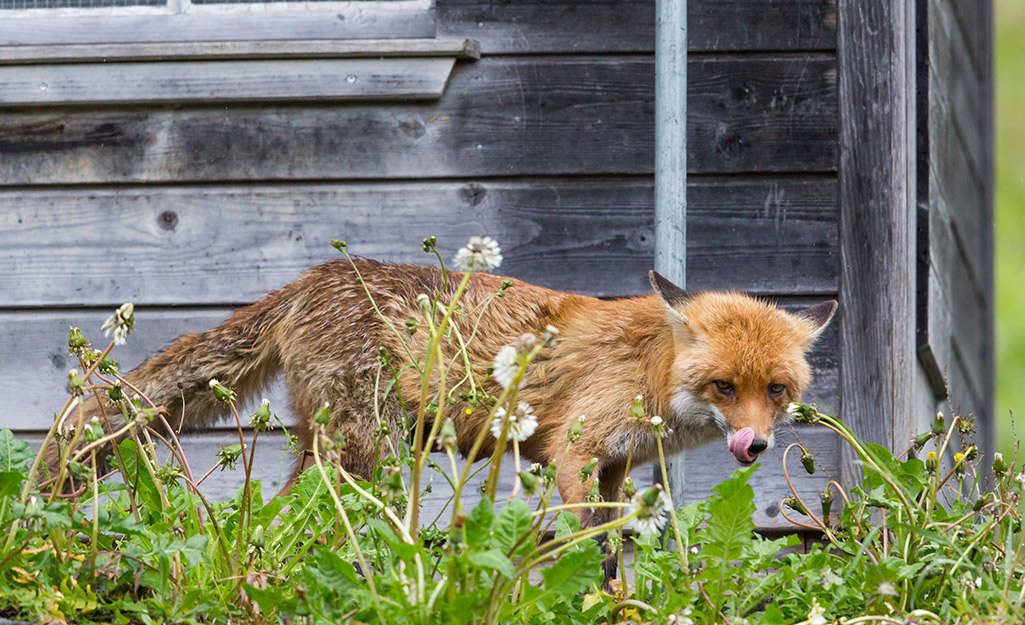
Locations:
(757, 446)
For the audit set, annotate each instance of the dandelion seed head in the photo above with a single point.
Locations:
(479, 254)
(651, 512)
(506, 366)
(522, 422)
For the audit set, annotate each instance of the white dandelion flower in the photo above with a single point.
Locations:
(652, 508)
(506, 366)
(121, 323)
(522, 422)
(793, 409)
(480, 253)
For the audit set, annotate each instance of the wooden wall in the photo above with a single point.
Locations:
(545, 143)
(955, 203)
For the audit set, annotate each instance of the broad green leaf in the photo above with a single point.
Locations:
(403, 550)
(493, 559)
(15, 455)
(10, 483)
(574, 572)
(566, 523)
(514, 521)
(332, 570)
(139, 479)
(691, 515)
(479, 523)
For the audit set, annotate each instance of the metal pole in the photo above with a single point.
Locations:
(671, 165)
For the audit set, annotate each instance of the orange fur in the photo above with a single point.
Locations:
(669, 348)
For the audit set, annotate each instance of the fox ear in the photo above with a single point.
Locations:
(818, 316)
(672, 296)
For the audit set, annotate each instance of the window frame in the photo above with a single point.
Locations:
(182, 21)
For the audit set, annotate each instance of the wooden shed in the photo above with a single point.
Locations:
(190, 155)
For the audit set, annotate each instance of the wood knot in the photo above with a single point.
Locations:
(473, 194)
(168, 220)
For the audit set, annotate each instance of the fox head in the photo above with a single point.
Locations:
(739, 362)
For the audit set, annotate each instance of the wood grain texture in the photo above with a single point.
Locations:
(244, 82)
(975, 19)
(956, 85)
(876, 68)
(508, 117)
(963, 297)
(239, 50)
(34, 375)
(356, 20)
(956, 187)
(958, 297)
(609, 26)
(229, 245)
(707, 467)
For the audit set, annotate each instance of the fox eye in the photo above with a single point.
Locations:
(723, 387)
(775, 390)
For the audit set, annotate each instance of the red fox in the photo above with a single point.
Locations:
(712, 365)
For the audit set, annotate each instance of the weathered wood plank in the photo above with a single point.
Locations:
(876, 61)
(974, 18)
(964, 297)
(511, 116)
(354, 20)
(229, 245)
(311, 80)
(239, 50)
(33, 374)
(956, 93)
(956, 188)
(952, 380)
(582, 26)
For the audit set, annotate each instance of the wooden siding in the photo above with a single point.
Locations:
(500, 116)
(877, 220)
(546, 142)
(227, 245)
(955, 286)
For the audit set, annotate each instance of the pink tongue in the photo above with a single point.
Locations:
(740, 443)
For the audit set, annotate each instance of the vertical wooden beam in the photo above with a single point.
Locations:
(876, 73)
(671, 165)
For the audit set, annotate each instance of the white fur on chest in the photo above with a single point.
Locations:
(692, 422)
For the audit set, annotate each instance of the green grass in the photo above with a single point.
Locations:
(1010, 216)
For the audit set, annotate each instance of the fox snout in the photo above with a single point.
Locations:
(746, 446)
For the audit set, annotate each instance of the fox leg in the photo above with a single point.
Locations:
(610, 485)
(571, 488)
(352, 423)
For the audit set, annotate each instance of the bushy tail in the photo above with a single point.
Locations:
(242, 353)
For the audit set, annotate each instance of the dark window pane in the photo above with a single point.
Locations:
(77, 4)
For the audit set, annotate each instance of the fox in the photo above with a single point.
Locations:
(713, 365)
